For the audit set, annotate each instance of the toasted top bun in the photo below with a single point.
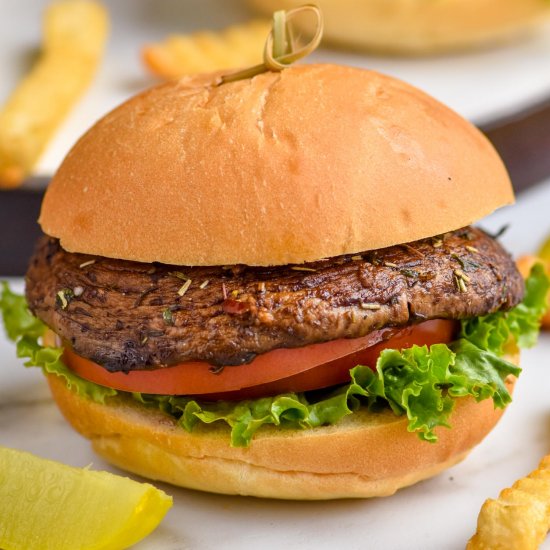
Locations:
(312, 162)
(414, 27)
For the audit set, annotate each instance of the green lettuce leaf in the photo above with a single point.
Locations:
(521, 323)
(26, 330)
(418, 382)
(18, 320)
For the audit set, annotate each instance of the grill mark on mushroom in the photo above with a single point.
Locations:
(245, 311)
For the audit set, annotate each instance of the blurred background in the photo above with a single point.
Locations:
(65, 64)
(488, 60)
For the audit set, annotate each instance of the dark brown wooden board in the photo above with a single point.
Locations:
(523, 141)
(19, 230)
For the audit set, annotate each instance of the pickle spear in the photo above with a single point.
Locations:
(45, 505)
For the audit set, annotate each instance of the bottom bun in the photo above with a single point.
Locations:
(365, 455)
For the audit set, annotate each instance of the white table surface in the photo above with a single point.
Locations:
(437, 514)
(480, 85)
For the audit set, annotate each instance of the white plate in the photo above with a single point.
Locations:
(479, 85)
(438, 514)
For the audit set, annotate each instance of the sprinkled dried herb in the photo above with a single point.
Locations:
(460, 280)
(409, 273)
(185, 287)
(462, 275)
(86, 264)
(466, 234)
(412, 249)
(465, 263)
(179, 275)
(64, 297)
(167, 317)
(370, 306)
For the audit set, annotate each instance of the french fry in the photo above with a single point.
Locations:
(544, 251)
(75, 33)
(519, 518)
(206, 51)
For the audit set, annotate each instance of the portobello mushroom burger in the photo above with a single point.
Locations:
(272, 287)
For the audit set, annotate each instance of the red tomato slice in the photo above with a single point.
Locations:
(278, 371)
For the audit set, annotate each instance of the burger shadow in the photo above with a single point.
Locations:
(262, 510)
(266, 514)
(306, 523)
(245, 505)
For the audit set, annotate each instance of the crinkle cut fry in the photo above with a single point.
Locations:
(230, 48)
(75, 35)
(519, 518)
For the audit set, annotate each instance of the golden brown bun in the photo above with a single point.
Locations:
(316, 161)
(364, 455)
(419, 26)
